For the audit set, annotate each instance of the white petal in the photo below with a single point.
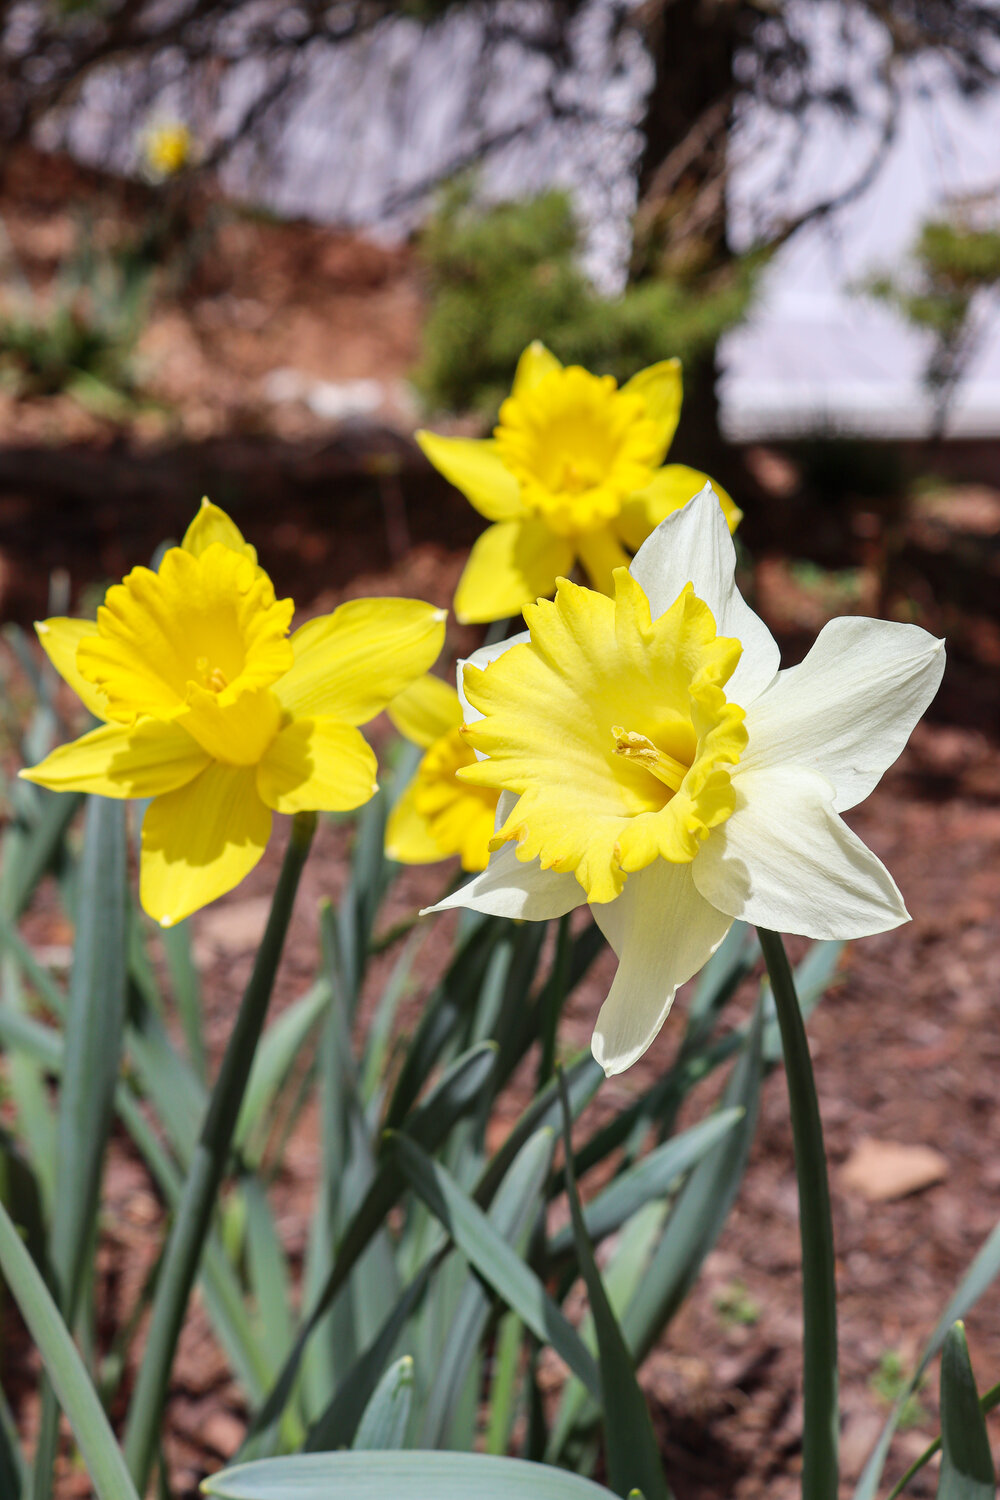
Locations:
(663, 930)
(848, 709)
(693, 545)
(510, 888)
(482, 658)
(786, 861)
(505, 806)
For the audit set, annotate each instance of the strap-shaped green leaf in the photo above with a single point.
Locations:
(977, 1278)
(64, 1367)
(92, 1041)
(456, 1093)
(387, 1476)
(279, 1048)
(512, 1213)
(383, 1425)
(988, 1401)
(336, 1426)
(454, 998)
(967, 1471)
(92, 1045)
(186, 985)
(651, 1177)
(13, 1464)
(630, 1443)
(192, 1225)
(701, 1209)
(494, 1259)
(583, 1078)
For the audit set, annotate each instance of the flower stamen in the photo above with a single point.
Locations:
(640, 749)
(213, 678)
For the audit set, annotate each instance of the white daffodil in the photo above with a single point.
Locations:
(654, 762)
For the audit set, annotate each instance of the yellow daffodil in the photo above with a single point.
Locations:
(654, 762)
(167, 149)
(211, 709)
(438, 815)
(574, 473)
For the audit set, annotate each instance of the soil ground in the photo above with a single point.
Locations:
(906, 1048)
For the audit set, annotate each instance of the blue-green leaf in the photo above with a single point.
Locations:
(64, 1367)
(512, 1213)
(383, 1425)
(387, 1476)
(92, 1043)
(453, 1096)
(495, 1261)
(967, 1471)
(977, 1278)
(630, 1444)
(651, 1177)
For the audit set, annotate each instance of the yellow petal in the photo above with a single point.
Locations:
(60, 639)
(460, 818)
(474, 466)
(117, 760)
(426, 710)
(575, 810)
(661, 389)
(601, 553)
(200, 841)
(671, 489)
(317, 765)
(352, 663)
(236, 732)
(535, 363)
(213, 525)
(512, 564)
(408, 838)
(211, 620)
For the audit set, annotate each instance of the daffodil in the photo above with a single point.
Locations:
(212, 710)
(655, 763)
(438, 815)
(167, 149)
(574, 473)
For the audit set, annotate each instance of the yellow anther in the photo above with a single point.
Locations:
(639, 748)
(213, 677)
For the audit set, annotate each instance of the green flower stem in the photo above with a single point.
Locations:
(821, 1423)
(208, 1164)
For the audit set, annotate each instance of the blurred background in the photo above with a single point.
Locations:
(246, 246)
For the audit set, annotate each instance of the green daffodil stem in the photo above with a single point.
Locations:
(208, 1164)
(821, 1422)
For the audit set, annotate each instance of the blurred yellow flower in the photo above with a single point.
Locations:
(167, 149)
(574, 473)
(214, 712)
(438, 815)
